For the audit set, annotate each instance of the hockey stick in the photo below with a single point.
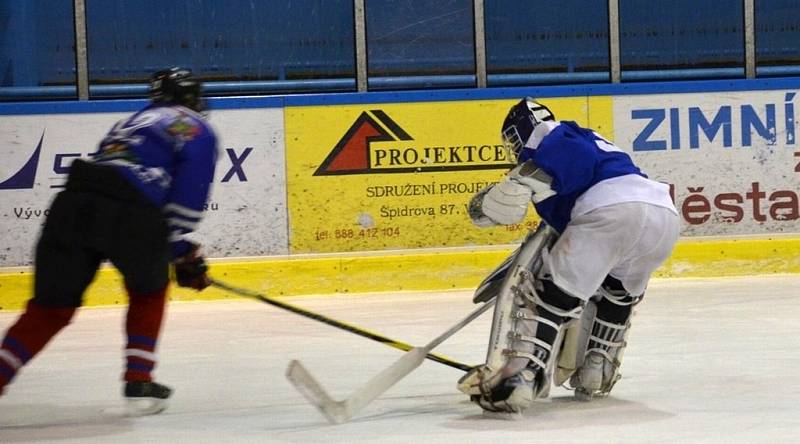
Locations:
(338, 412)
(341, 325)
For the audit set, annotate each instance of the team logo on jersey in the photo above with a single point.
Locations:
(375, 143)
(184, 128)
(26, 176)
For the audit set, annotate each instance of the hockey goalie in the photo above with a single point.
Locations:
(565, 298)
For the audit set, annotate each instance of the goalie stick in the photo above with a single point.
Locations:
(338, 412)
(338, 324)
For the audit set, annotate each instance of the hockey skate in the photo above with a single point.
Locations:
(513, 394)
(145, 398)
(526, 366)
(600, 369)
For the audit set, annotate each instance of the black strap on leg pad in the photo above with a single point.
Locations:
(616, 304)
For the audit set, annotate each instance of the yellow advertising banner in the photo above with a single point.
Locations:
(400, 175)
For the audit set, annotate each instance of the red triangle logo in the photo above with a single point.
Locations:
(351, 154)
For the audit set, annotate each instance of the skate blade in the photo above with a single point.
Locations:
(505, 416)
(586, 395)
(132, 408)
(145, 406)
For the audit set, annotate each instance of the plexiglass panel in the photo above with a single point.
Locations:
(538, 41)
(420, 38)
(221, 39)
(704, 36)
(252, 47)
(778, 37)
(37, 48)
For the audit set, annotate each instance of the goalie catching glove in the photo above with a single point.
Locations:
(506, 202)
(191, 270)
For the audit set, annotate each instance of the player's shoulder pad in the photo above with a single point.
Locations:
(573, 127)
(541, 131)
(183, 123)
(566, 133)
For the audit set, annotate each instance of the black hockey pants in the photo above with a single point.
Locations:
(99, 216)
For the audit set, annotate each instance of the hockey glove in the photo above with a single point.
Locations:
(506, 202)
(191, 269)
(475, 209)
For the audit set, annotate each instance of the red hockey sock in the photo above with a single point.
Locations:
(28, 336)
(143, 323)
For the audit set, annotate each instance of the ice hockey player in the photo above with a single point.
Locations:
(132, 204)
(615, 227)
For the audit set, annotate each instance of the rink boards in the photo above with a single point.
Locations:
(368, 192)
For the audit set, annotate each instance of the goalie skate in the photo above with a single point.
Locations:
(605, 342)
(600, 369)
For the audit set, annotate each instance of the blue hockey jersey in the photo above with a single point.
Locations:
(169, 153)
(579, 160)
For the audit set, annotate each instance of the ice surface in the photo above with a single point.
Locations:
(709, 360)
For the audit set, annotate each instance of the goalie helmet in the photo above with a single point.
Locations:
(178, 86)
(520, 121)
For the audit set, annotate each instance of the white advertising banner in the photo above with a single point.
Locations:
(732, 159)
(245, 216)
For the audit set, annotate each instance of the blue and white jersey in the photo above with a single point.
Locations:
(169, 153)
(588, 172)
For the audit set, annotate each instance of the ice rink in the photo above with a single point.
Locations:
(709, 360)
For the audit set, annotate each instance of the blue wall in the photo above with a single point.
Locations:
(298, 40)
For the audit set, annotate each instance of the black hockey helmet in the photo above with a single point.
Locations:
(520, 121)
(177, 85)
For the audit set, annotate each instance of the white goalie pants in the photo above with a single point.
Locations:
(626, 240)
